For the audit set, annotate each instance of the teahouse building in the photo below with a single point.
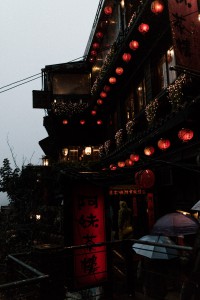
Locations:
(123, 123)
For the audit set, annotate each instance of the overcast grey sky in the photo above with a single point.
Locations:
(35, 33)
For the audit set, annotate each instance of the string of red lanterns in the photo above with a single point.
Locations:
(146, 178)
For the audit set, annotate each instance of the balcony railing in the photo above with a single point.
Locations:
(128, 272)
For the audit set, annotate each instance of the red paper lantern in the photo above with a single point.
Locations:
(95, 45)
(147, 179)
(143, 28)
(99, 35)
(99, 122)
(93, 53)
(129, 162)
(108, 10)
(185, 134)
(164, 144)
(93, 112)
(119, 71)
(134, 157)
(112, 80)
(157, 6)
(113, 167)
(133, 45)
(106, 88)
(121, 164)
(99, 101)
(82, 122)
(65, 122)
(103, 95)
(149, 150)
(126, 57)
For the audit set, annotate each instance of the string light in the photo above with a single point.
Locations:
(60, 107)
(150, 110)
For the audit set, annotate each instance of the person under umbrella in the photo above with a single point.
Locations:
(153, 268)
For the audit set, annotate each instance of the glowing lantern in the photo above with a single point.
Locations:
(82, 122)
(164, 144)
(157, 6)
(99, 101)
(134, 157)
(93, 112)
(99, 122)
(113, 167)
(106, 88)
(119, 71)
(149, 150)
(94, 53)
(133, 45)
(129, 162)
(143, 28)
(88, 150)
(126, 57)
(121, 164)
(185, 134)
(99, 35)
(112, 80)
(65, 122)
(103, 95)
(108, 10)
(95, 46)
(65, 151)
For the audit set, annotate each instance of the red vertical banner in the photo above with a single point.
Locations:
(90, 266)
(185, 32)
(150, 207)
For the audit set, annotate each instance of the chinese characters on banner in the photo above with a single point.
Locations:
(90, 266)
(186, 32)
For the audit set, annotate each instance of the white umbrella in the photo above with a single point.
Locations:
(155, 251)
(196, 206)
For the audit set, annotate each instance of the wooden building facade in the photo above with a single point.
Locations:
(126, 117)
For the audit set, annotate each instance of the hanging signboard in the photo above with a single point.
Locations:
(90, 268)
(126, 190)
(185, 32)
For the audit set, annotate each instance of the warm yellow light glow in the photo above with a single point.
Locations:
(95, 69)
(88, 150)
(38, 217)
(65, 151)
(45, 161)
(122, 3)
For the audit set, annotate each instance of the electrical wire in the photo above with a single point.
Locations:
(10, 84)
(18, 81)
(19, 84)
